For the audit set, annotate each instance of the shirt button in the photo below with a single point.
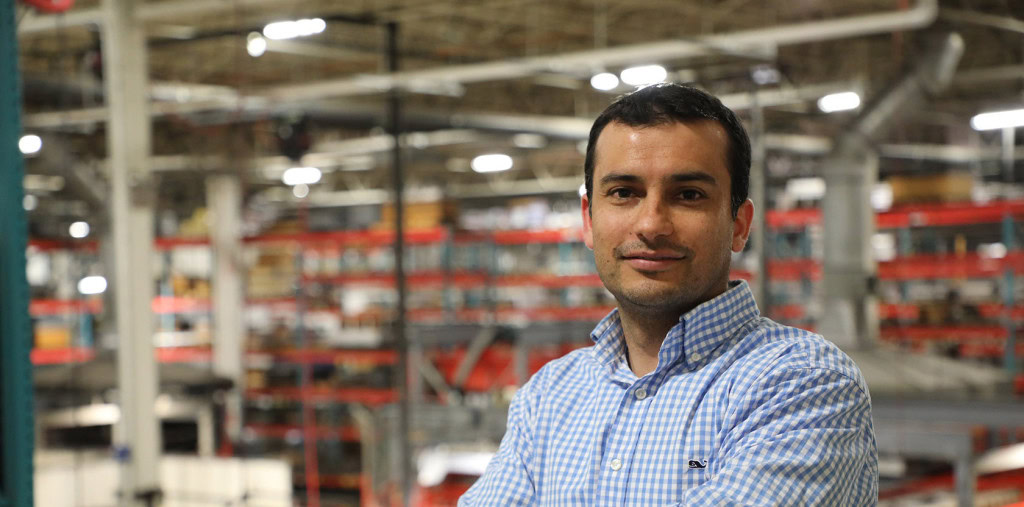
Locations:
(695, 356)
(616, 464)
(640, 393)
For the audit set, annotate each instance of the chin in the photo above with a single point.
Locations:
(655, 299)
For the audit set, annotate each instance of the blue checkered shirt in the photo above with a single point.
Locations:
(740, 410)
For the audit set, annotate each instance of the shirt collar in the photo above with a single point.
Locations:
(699, 333)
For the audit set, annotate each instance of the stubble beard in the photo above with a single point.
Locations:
(645, 299)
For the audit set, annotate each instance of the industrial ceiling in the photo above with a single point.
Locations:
(474, 74)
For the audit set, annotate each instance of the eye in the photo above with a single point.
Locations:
(621, 193)
(691, 194)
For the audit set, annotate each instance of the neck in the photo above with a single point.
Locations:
(644, 334)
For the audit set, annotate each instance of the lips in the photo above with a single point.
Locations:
(652, 261)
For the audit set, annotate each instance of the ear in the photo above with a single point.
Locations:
(588, 231)
(741, 225)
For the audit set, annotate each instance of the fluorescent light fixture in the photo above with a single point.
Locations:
(604, 81)
(29, 202)
(281, 30)
(491, 163)
(529, 140)
(765, 74)
(256, 45)
(30, 144)
(998, 120)
(842, 101)
(644, 75)
(78, 230)
(301, 190)
(301, 175)
(91, 285)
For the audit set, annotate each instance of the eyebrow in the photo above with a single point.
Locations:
(682, 177)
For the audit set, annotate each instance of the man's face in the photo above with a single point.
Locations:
(660, 221)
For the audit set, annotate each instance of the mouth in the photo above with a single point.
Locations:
(652, 261)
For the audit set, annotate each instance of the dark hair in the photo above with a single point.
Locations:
(667, 103)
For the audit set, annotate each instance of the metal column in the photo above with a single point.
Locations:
(850, 316)
(16, 426)
(401, 341)
(224, 201)
(125, 71)
(759, 244)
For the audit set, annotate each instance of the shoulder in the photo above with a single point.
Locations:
(773, 349)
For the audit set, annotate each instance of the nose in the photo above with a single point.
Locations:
(654, 219)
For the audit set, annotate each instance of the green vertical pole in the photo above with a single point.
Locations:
(1010, 352)
(16, 430)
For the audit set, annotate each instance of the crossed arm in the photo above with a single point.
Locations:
(797, 436)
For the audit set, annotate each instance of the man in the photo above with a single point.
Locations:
(688, 396)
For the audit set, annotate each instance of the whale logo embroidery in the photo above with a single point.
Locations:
(697, 464)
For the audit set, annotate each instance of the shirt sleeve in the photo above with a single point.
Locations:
(508, 479)
(800, 436)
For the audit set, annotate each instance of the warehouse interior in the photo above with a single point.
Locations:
(209, 198)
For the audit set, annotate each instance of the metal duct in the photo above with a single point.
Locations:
(851, 171)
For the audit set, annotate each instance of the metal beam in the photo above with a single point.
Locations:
(128, 143)
(16, 426)
(146, 12)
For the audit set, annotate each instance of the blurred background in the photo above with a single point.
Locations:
(214, 313)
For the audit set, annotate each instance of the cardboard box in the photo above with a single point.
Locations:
(953, 186)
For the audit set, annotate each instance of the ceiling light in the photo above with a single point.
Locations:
(91, 285)
(998, 120)
(29, 202)
(301, 175)
(843, 101)
(644, 75)
(765, 74)
(78, 230)
(256, 45)
(301, 190)
(529, 140)
(30, 144)
(604, 81)
(281, 30)
(491, 163)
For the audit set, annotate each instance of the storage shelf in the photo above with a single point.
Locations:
(50, 307)
(956, 333)
(910, 216)
(364, 395)
(336, 481)
(61, 356)
(343, 433)
(329, 356)
(904, 311)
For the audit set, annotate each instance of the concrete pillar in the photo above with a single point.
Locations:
(850, 309)
(128, 144)
(224, 202)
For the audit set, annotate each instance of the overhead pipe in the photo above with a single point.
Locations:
(202, 101)
(921, 15)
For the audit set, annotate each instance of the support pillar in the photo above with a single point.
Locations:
(16, 426)
(128, 145)
(758, 195)
(224, 202)
(850, 304)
